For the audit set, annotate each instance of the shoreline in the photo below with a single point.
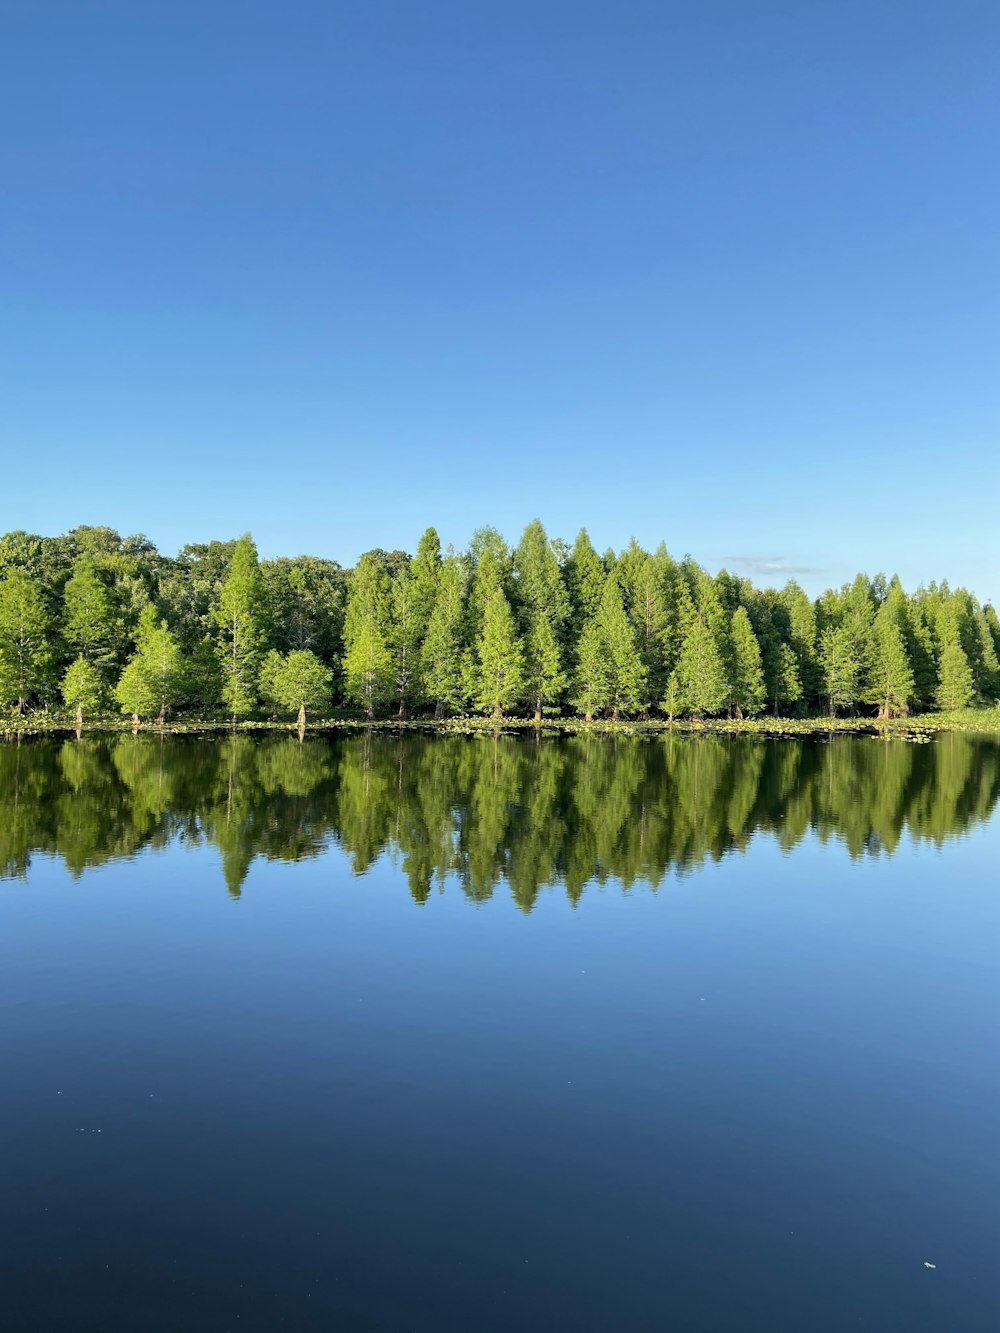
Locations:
(919, 728)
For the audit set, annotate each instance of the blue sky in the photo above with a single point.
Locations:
(724, 274)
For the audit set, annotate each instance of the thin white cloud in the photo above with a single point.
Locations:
(768, 566)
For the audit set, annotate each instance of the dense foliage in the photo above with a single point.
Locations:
(91, 620)
(481, 810)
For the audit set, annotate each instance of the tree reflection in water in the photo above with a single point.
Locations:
(482, 810)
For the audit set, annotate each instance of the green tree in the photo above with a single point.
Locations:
(152, 683)
(89, 614)
(701, 673)
(839, 667)
(626, 672)
(82, 688)
(426, 570)
(543, 610)
(746, 686)
(25, 639)
(404, 635)
(441, 651)
(890, 682)
(368, 672)
(544, 676)
(500, 658)
(593, 675)
(610, 675)
(649, 613)
(585, 576)
(956, 687)
(241, 616)
(297, 682)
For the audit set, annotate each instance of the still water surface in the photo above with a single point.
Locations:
(451, 1033)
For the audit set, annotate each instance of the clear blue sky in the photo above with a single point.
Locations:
(721, 273)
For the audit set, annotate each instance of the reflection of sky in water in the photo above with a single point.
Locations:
(758, 1098)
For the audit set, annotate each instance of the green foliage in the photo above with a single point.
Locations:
(240, 615)
(405, 633)
(368, 665)
(840, 666)
(890, 678)
(82, 686)
(26, 647)
(612, 636)
(441, 651)
(153, 681)
(544, 610)
(701, 677)
(746, 693)
(89, 614)
(500, 658)
(296, 682)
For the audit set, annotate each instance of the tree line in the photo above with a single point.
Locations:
(91, 621)
(480, 811)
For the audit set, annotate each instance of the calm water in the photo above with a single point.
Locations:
(435, 1034)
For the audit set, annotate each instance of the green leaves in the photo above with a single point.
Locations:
(153, 681)
(241, 617)
(500, 676)
(297, 682)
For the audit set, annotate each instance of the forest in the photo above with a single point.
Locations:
(93, 623)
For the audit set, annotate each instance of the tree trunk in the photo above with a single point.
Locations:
(588, 716)
(438, 711)
(79, 720)
(302, 717)
(135, 721)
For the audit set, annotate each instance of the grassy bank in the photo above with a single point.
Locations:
(921, 727)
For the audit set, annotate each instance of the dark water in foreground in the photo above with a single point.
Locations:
(454, 1034)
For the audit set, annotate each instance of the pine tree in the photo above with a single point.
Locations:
(368, 662)
(802, 635)
(839, 666)
(296, 682)
(593, 674)
(700, 671)
(82, 688)
(747, 692)
(650, 617)
(545, 679)
(89, 614)
(25, 639)
(441, 652)
(673, 700)
(543, 608)
(955, 689)
(788, 686)
(368, 667)
(626, 672)
(584, 580)
(152, 683)
(241, 617)
(890, 682)
(426, 570)
(404, 634)
(500, 658)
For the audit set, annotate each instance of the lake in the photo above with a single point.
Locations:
(412, 1032)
